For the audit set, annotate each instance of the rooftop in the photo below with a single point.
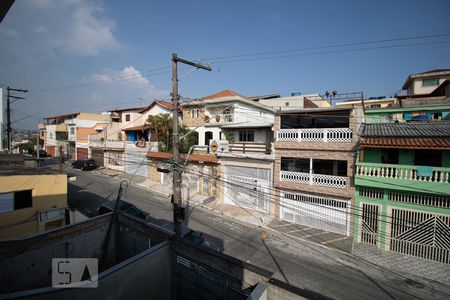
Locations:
(408, 143)
(224, 94)
(312, 110)
(406, 130)
(68, 115)
(435, 72)
(164, 104)
(224, 97)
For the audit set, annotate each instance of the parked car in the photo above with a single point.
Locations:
(84, 164)
(42, 153)
(124, 206)
(191, 235)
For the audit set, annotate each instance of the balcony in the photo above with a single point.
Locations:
(314, 179)
(133, 146)
(115, 144)
(403, 177)
(315, 135)
(403, 172)
(258, 148)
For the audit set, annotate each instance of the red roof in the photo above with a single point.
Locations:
(192, 157)
(405, 143)
(224, 93)
(164, 104)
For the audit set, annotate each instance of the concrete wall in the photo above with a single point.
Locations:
(148, 275)
(48, 191)
(136, 119)
(27, 263)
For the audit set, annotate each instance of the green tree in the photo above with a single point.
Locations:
(162, 126)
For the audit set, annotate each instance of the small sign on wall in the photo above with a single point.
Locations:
(219, 146)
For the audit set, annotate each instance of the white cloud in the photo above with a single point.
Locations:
(75, 27)
(129, 79)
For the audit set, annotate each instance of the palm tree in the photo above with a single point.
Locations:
(162, 125)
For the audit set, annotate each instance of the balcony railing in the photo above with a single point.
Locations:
(261, 148)
(314, 179)
(315, 135)
(141, 146)
(404, 172)
(115, 144)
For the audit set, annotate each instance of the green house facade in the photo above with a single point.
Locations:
(402, 189)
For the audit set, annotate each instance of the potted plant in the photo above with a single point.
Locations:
(217, 118)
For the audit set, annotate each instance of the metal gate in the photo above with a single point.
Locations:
(98, 156)
(197, 281)
(82, 153)
(369, 224)
(136, 164)
(421, 234)
(318, 212)
(247, 187)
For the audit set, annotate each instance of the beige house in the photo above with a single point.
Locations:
(31, 200)
(70, 132)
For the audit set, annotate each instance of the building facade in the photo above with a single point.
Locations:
(402, 189)
(315, 151)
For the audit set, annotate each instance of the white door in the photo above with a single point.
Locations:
(318, 212)
(136, 164)
(247, 187)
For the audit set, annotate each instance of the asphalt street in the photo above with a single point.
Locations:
(300, 263)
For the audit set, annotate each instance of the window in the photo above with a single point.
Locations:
(72, 130)
(194, 113)
(389, 156)
(51, 135)
(430, 82)
(432, 158)
(16, 200)
(295, 164)
(246, 136)
(330, 167)
(127, 118)
(227, 111)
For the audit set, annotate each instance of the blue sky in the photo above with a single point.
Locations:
(56, 48)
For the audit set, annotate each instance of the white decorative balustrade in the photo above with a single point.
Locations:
(404, 172)
(315, 135)
(314, 179)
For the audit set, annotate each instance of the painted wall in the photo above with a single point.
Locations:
(48, 192)
(155, 110)
(417, 87)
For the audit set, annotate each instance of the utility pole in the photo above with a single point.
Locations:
(178, 210)
(8, 112)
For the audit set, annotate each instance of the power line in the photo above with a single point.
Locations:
(327, 52)
(330, 46)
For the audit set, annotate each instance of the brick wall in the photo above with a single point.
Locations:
(188, 120)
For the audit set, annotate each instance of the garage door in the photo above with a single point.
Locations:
(50, 150)
(247, 187)
(136, 164)
(314, 211)
(82, 153)
(98, 156)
